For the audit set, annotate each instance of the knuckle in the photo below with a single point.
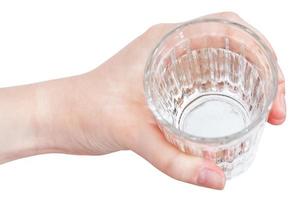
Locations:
(169, 167)
(174, 169)
(230, 15)
(154, 27)
(158, 28)
(281, 87)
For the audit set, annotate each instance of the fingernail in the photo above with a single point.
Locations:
(211, 179)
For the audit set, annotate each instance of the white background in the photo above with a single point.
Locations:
(46, 40)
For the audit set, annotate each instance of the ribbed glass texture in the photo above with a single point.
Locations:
(210, 84)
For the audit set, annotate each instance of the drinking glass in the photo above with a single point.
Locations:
(210, 84)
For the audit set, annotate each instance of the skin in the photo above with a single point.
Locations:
(104, 111)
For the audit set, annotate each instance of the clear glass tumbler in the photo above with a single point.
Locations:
(210, 84)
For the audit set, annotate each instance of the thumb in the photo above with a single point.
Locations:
(151, 145)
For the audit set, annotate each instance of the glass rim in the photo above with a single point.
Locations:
(224, 139)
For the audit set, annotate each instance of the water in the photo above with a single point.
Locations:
(209, 92)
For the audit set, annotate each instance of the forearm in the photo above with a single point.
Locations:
(17, 116)
(36, 118)
(54, 116)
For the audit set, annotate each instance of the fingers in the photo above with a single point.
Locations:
(278, 112)
(236, 18)
(152, 146)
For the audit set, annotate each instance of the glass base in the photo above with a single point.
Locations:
(213, 115)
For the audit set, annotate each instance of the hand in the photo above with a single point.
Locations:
(104, 111)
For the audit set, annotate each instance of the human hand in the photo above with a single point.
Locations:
(105, 111)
